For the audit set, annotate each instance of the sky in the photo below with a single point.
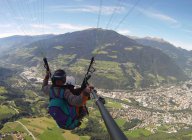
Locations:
(167, 19)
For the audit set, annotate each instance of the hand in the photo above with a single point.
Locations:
(47, 74)
(90, 86)
(88, 90)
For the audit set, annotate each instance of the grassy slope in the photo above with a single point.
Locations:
(2, 92)
(42, 128)
(45, 128)
(137, 133)
(6, 112)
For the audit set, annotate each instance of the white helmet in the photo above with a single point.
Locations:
(70, 80)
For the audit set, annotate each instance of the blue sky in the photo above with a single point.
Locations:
(167, 19)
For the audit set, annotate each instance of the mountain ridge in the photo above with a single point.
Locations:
(182, 57)
(120, 59)
(16, 41)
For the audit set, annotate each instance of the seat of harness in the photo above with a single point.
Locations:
(57, 99)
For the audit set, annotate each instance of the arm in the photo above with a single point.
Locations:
(73, 99)
(78, 100)
(45, 86)
(77, 91)
(46, 79)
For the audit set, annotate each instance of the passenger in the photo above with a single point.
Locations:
(63, 104)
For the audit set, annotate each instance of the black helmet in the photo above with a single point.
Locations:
(58, 75)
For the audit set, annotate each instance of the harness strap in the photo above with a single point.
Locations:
(57, 100)
(51, 93)
(61, 93)
(58, 94)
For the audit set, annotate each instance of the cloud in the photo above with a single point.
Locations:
(188, 30)
(154, 14)
(185, 45)
(37, 29)
(40, 26)
(124, 32)
(158, 15)
(5, 25)
(2, 35)
(19, 18)
(60, 26)
(106, 10)
(162, 17)
(69, 26)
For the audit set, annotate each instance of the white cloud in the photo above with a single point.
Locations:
(2, 35)
(106, 10)
(19, 18)
(162, 17)
(158, 15)
(40, 26)
(124, 32)
(71, 26)
(5, 25)
(188, 30)
(38, 29)
(184, 45)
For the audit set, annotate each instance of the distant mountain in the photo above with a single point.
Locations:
(16, 41)
(5, 73)
(120, 61)
(181, 56)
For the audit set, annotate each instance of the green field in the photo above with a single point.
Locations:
(59, 47)
(137, 133)
(6, 112)
(2, 98)
(30, 94)
(61, 61)
(110, 70)
(113, 104)
(12, 126)
(120, 122)
(80, 66)
(2, 90)
(42, 128)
